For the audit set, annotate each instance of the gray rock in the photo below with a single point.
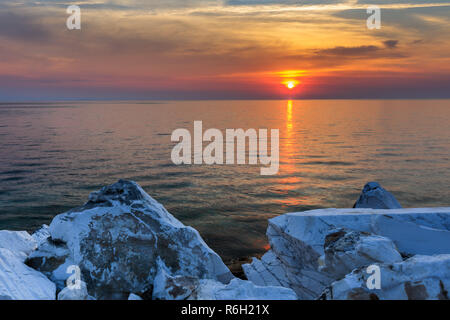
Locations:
(116, 239)
(52, 259)
(346, 250)
(376, 197)
(169, 287)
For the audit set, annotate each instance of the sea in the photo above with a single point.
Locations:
(53, 154)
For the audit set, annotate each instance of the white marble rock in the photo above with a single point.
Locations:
(297, 242)
(418, 278)
(20, 282)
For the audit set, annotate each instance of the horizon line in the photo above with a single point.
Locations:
(19, 102)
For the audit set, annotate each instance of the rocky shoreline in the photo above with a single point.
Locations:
(122, 244)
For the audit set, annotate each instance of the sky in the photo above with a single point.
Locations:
(227, 49)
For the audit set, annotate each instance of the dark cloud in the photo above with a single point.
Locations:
(385, 2)
(349, 51)
(390, 43)
(22, 27)
(341, 54)
(281, 2)
(132, 4)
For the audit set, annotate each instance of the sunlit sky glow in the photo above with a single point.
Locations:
(232, 49)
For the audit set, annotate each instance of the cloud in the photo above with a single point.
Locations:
(117, 4)
(349, 51)
(423, 20)
(363, 51)
(127, 47)
(390, 43)
(282, 2)
(22, 27)
(411, 2)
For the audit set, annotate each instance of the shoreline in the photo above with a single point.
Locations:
(126, 245)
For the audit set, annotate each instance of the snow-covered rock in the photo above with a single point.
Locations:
(19, 243)
(74, 292)
(116, 239)
(375, 196)
(239, 289)
(41, 235)
(20, 282)
(411, 237)
(53, 259)
(297, 242)
(133, 296)
(347, 250)
(169, 287)
(418, 278)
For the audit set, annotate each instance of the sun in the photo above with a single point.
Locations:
(291, 84)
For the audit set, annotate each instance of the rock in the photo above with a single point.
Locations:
(116, 239)
(41, 235)
(271, 271)
(297, 242)
(239, 289)
(418, 278)
(376, 197)
(346, 250)
(168, 287)
(132, 296)
(19, 243)
(52, 259)
(74, 293)
(412, 237)
(235, 266)
(20, 282)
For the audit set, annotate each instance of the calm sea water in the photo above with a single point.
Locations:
(54, 154)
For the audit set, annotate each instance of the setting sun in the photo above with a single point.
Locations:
(291, 84)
